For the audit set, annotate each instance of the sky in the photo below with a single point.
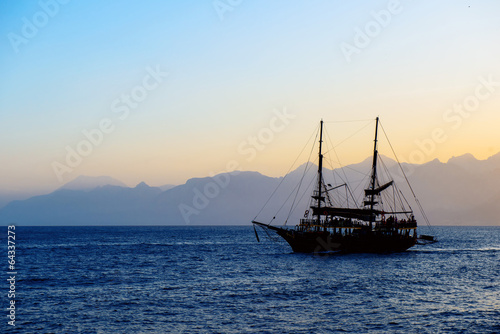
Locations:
(163, 91)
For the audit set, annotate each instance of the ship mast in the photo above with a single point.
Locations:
(320, 171)
(374, 175)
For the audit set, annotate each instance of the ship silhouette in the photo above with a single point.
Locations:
(381, 223)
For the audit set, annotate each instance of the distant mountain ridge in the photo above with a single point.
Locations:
(84, 182)
(462, 191)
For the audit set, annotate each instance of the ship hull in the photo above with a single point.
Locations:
(365, 242)
(325, 242)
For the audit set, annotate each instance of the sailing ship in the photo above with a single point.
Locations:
(367, 228)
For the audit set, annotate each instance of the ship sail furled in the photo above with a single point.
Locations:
(377, 191)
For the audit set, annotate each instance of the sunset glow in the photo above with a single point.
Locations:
(163, 91)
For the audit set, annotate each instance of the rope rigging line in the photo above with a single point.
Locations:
(384, 195)
(346, 181)
(328, 161)
(396, 192)
(408, 182)
(286, 200)
(405, 200)
(351, 121)
(288, 172)
(302, 196)
(271, 237)
(345, 139)
(301, 179)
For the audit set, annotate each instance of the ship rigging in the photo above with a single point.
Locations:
(370, 227)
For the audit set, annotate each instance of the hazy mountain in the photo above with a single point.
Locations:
(167, 187)
(463, 191)
(470, 163)
(8, 196)
(84, 182)
(100, 206)
(80, 183)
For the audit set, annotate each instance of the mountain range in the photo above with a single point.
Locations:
(463, 191)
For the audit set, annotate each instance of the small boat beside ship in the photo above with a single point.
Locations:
(377, 225)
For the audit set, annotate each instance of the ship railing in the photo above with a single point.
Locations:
(338, 223)
(397, 224)
(308, 222)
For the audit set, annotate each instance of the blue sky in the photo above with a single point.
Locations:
(227, 74)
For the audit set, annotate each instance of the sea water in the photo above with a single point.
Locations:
(221, 280)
